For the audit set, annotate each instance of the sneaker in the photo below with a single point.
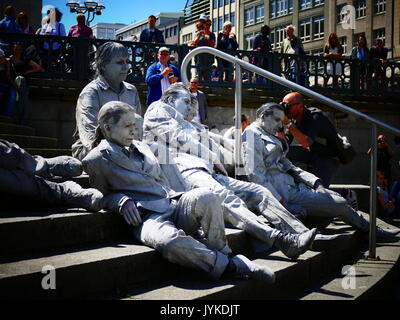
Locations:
(386, 233)
(245, 269)
(293, 245)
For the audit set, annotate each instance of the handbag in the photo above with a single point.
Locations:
(345, 150)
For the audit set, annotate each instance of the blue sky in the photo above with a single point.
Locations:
(120, 11)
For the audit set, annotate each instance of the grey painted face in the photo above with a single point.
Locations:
(122, 132)
(273, 122)
(182, 103)
(117, 70)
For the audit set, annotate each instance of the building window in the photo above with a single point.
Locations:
(318, 2)
(380, 6)
(341, 15)
(260, 13)
(280, 7)
(215, 4)
(248, 16)
(220, 23)
(226, 2)
(226, 17)
(276, 36)
(318, 28)
(214, 25)
(187, 38)
(305, 30)
(343, 42)
(232, 20)
(361, 8)
(232, 1)
(380, 34)
(175, 30)
(305, 4)
(220, 3)
(248, 41)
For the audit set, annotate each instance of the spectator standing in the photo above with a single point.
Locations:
(160, 75)
(22, 68)
(384, 154)
(151, 34)
(201, 115)
(262, 44)
(387, 204)
(52, 27)
(293, 45)
(204, 37)
(333, 49)
(80, 29)
(226, 42)
(23, 23)
(379, 57)
(8, 23)
(7, 86)
(362, 54)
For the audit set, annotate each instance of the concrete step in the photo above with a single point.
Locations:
(362, 278)
(292, 276)
(10, 128)
(49, 153)
(5, 119)
(31, 141)
(97, 271)
(43, 230)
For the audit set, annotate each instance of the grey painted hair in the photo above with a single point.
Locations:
(110, 113)
(267, 109)
(169, 96)
(105, 54)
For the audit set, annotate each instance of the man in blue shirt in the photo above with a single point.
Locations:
(151, 34)
(160, 75)
(8, 24)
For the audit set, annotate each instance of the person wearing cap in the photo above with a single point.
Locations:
(160, 75)
(151, 34)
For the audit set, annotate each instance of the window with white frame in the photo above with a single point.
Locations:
(220, 23)
(305, 30)
(343, 42)
(248, 41)
(215, 4)
(279, 36)
(248, 16)
(380, 6)
(259, 13)
(226, 17)
(361, 8)
(319, 27)
(380, 34)
(220, 3)
(232, 18)
(214, 25)
(186, 38)
(226, 2)
(318, 2)
(305, 4)
(280, 8)
(341, 15)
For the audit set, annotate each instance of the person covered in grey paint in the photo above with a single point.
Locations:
(167, 123)
(264, 156)
(112, 69)
(187, 228)
(29, 176)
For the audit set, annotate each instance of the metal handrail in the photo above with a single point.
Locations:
(319, 97)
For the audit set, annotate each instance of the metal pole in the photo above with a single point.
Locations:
(372, 196)
(238, 115)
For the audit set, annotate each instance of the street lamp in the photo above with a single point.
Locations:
(92, 8)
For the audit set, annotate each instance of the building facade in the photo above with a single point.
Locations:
(167, 22)
(192, 12)
(224, 10)
(106, 30)
(314, 20)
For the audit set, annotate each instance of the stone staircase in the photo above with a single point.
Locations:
(95, 256)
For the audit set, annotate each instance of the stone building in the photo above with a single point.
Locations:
(316, 19)
(106, 30)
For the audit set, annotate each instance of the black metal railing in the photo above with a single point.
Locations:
(75, 60)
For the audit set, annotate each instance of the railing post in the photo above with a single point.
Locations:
(372, 196)
(238, 114)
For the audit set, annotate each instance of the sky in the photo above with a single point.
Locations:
(119, 11)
